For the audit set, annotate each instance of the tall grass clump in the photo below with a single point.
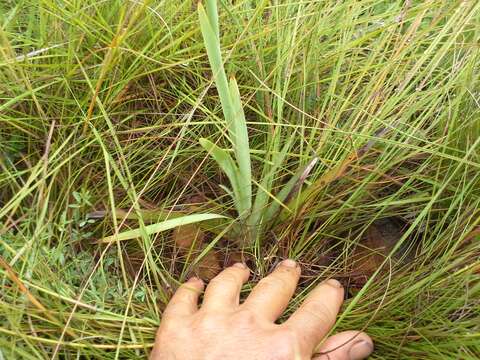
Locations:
(144, 141)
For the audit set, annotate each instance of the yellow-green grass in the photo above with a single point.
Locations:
(371, 107)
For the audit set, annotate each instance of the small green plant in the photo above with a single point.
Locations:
(254, 211)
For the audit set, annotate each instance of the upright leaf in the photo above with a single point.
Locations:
(226, 163)
(257, 217)
(212, 14)
(241, 178)
(212, 44)
(241, 145)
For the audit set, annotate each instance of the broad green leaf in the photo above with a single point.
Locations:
(223, 159)
(213, 226)
(227, 190)
(162, 226)
(212, 14)
(241, 145)
(212, 44)
(226, 163)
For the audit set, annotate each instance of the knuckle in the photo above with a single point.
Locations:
(227, 277)
(173, 310)
(288, 336)
(182, 301)
(206, 323)
(245, 318)
(287, 344)
(320, 310)
(216, 281)
(167, 328)
(188, 289)
(283, 353)
(273, 282)
(293, 344)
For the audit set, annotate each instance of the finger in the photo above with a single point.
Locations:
(316, 316)
(223, 291)
(185, 300)
(271, 295)
(347, 345)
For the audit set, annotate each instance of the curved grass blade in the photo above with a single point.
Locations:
(162, 226)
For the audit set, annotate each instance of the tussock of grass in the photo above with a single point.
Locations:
(102, 108)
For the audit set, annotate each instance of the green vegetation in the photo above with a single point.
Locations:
(118, 123)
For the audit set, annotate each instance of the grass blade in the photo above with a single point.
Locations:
(289, 189)
(162, 226)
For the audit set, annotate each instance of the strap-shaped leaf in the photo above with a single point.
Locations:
(239, 170)
(161, 226)
(241, 145)
(212, 44)
(226, 163)
(212, 14)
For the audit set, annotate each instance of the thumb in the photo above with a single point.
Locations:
(347, 345)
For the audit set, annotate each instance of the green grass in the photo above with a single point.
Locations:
(371, 107)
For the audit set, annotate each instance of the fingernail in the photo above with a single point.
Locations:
(193, 279)
(289, 263)
(240, 265)
(360, 350)
(334, 283)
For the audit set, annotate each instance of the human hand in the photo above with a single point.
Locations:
(224, 329)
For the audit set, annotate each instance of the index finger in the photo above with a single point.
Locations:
(185, 300)
(316, 316)
(271, 295)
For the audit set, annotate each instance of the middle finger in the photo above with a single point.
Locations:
(271, 295)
